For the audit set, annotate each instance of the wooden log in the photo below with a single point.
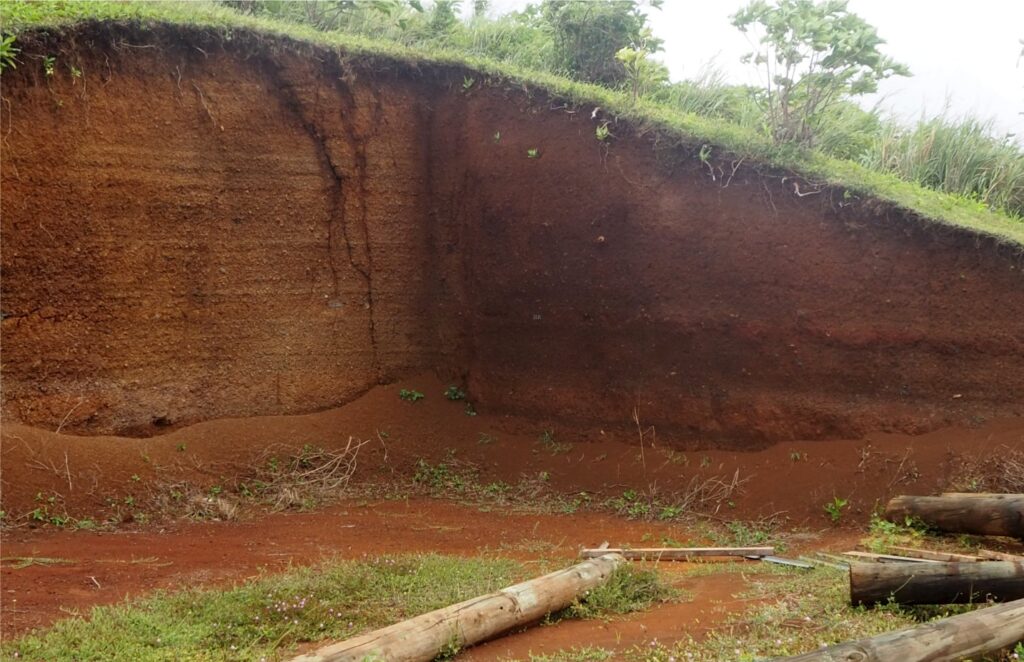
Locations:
(990, 555)
(887, 558)
(981, 495)
(677, 553)
(425, 637)
(933, 555)
(981, 515)
(965, 636)
(935, 583)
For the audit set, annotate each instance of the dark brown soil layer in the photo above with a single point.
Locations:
(199, 228)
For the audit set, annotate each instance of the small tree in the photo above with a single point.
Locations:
(814, 54)
(587, 35)
(642, 73)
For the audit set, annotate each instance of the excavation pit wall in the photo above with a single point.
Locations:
(199, 227)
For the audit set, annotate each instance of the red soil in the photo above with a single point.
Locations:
(211, 228)
(107, 567)
(228, 246)
(86, 471)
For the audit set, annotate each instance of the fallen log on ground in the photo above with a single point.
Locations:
(966, 636)
(935, 583)
(425, 637)
(987, 515)
(677, 553)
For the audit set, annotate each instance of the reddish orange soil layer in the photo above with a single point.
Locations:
(199, 228)
(789, 481)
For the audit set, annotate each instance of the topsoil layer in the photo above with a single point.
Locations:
(198, 227)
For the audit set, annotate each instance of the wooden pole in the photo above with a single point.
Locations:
(935, 583)
(987, 515)
(938, 556)
(989, 555)
(677, 553)
(425, 637)
(966, 636)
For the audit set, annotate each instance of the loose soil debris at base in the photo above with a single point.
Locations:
(456, 458)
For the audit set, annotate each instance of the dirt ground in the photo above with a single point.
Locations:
(105, 567)
(784, 487)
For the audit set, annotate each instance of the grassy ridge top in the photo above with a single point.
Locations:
(18, 16)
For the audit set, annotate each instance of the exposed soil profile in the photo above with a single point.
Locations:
(199, 228)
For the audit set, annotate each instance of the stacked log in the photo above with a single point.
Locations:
(978, 514)
(967, 636)
(935, 583)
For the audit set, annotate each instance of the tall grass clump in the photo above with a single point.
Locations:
(962, 156)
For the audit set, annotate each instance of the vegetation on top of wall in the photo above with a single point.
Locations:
(725, 127)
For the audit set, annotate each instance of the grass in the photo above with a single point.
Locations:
(265, 618)
(800, 611)
(715, 138)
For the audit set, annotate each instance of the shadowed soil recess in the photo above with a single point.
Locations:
(199, 228)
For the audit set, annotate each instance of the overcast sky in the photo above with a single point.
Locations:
(964, 51)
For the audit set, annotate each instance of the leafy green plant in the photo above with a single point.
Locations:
(532, 153)
(642, 73)
(454, 393)
(814, 55)
(49, 63)
(834, 509)
(601, 132)
(410, 395)
(548, 441)
(632, 504)
(587, 35)
(8, 52)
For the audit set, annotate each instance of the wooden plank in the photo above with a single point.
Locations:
(677, 553)
(935, 583)
(423, 638)
(803, 565)
(989, 555)
(966, 636)
(834, 558)
(888, 558)
(828, 564)
(935, 555)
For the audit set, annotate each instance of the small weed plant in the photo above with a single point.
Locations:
(410, 395)
(834, 509)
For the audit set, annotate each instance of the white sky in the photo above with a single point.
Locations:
(963, 51)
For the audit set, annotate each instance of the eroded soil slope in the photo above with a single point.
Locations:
(198, 228)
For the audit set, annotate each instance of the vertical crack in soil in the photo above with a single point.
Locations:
(357, 144)
(338, 213)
